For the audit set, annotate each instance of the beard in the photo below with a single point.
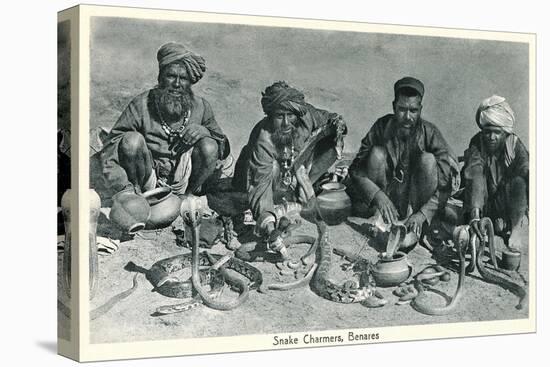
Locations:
(405, 133)
(284, 139)
(174, 103)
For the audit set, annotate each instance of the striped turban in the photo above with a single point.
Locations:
(282, 96)
(495, 111)
(174, 52)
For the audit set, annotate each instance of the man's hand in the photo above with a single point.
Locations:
(386, 207)
(193, 133)
(414, 223)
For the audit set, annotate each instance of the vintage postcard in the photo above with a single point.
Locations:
(240, 183)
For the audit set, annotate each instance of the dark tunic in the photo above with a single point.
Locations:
(141, 116)
(426, 138)
(495, 172)
(256, 171)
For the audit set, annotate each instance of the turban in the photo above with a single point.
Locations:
(282, 96)
(495, 111)
(174, 52)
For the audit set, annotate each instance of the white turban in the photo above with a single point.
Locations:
(495, 111)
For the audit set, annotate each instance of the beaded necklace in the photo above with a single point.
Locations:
(173, 133)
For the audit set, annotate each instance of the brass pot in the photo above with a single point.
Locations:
(130, 211)
(165, 207)
(391, 272)
(334, 203)
(511, 259)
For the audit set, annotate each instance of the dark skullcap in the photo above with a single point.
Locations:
(280, 95)
(174, 52)
(409, 82)
(495, 111)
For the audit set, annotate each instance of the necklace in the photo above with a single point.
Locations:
(173, 133)
(288, 157)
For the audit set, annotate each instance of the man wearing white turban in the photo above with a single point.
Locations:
(496, 172)
(167, 136)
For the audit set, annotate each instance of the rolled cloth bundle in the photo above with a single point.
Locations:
(495, 111)
(282, 96)
(172, 52)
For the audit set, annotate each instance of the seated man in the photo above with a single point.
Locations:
(496, 171)
(265, 166)
(404, 164)
(167, 136)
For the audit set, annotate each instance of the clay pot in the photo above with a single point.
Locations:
(130, 211)
(391, 272)
(511, 259)
(165, 207)
(334, 203)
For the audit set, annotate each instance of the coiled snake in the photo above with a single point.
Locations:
(465, 239)
(420, 302)
(217, 275)
(321, 284)
(488, 234)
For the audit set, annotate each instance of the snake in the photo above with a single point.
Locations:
(191, 212)
(421, 302)
(488, 232)
(321, 283)
(465, 240)
(288, 241)
(159, 275)
(103, 309)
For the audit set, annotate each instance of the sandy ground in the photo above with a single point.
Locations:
(274, 312)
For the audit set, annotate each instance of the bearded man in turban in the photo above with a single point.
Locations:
(496, 172)
(166, 136)
(404, 170)
(263, 169)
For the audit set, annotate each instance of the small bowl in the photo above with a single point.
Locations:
(511, 259)
(391, 272)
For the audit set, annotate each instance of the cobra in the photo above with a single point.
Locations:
(191, 212)
(160, 276)
(465, 240)
(420, 302)
(321, 283)
(488, 234)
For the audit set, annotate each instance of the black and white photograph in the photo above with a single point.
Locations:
(261, 183)
(63, 178)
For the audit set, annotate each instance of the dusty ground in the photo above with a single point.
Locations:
(291, 311)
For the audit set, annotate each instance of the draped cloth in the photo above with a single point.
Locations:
(495, 111)
(172, 52)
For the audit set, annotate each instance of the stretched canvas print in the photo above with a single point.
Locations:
(237, 183)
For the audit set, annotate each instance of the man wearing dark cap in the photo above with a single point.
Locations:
(404, 169)
(263, 169)
(166, 136)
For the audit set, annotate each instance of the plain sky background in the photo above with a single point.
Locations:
(351, 73)
(28, 307)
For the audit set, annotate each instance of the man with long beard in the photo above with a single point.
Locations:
(404, 169)
(265, 166)
(496, 172)
(167, 136)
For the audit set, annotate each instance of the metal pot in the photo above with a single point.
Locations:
(165, 207)
(391, 272)
(334, 203)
